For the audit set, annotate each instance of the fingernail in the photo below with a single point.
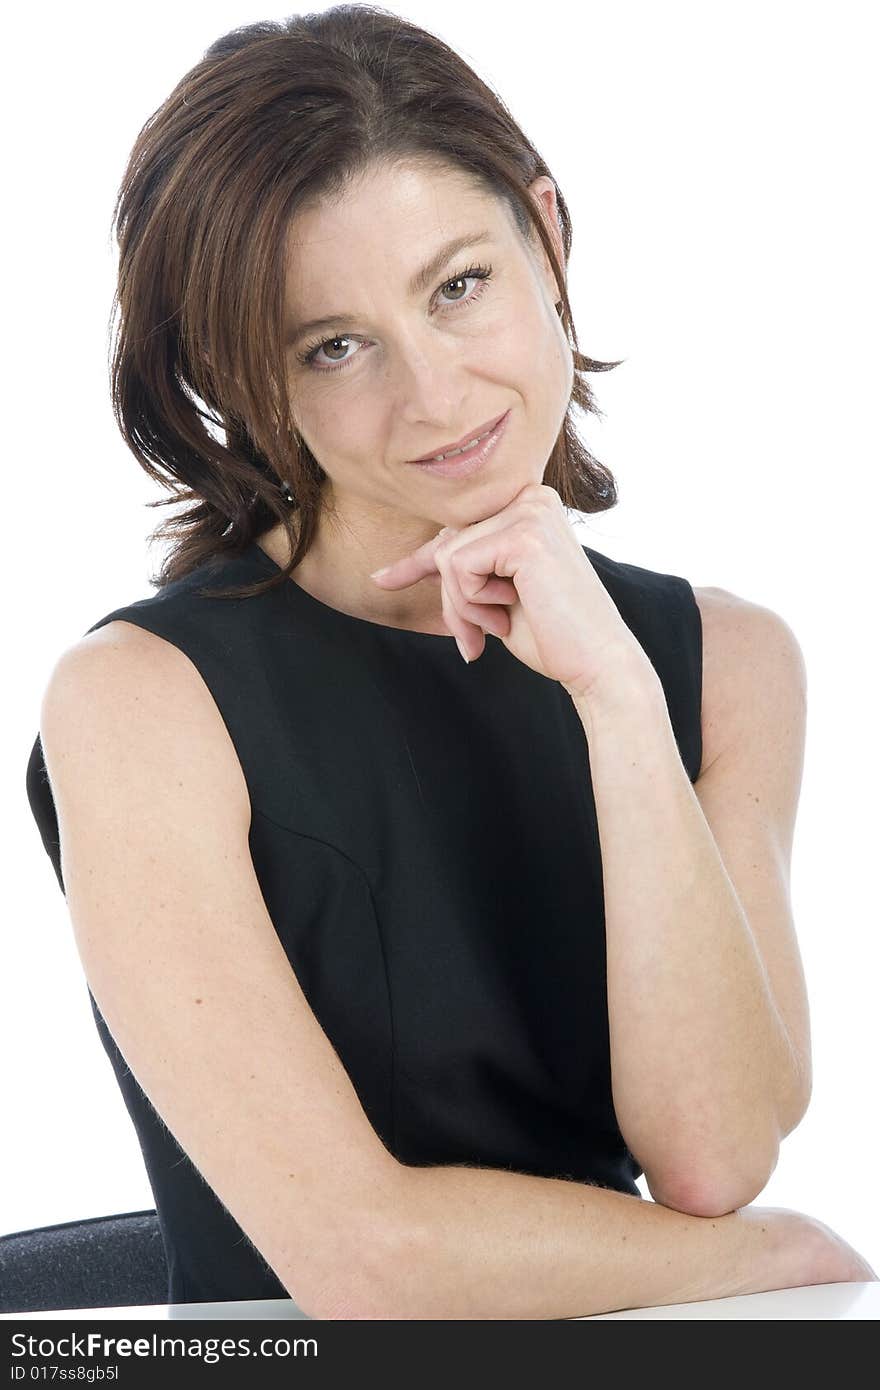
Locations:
(377, 573)
(461, 649)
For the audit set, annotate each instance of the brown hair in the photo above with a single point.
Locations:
(275, 116)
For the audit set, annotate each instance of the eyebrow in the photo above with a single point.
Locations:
(419, 282)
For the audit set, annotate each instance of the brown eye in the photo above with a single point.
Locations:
(475, 272)
(330, 342)
(459, 280)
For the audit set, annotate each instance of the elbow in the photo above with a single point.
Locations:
(706, 1201)
(702, 1192)
(371, 1288)
(372, 1273)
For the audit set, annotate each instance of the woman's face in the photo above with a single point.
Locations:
(400, 369)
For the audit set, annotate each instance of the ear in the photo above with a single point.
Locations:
(543, 192)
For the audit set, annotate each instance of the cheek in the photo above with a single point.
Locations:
(533, 332)
(556, 356)
(355, 442)
(509, 342)
(340, 418)
(548, 359)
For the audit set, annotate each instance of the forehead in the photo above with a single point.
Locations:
(389, 220)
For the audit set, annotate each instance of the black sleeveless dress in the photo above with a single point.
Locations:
(424, 833)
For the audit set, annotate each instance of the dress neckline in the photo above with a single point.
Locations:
(337, 615)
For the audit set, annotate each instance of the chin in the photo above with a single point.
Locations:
(490, 499)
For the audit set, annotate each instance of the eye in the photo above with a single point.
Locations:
(312, 350)
(309, 355)
(476, 272)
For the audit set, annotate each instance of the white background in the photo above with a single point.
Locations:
(719, 162)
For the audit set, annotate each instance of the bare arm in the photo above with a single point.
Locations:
(706, 1080)
(488, 1243)
(185, 965)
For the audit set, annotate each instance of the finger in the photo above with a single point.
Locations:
(409, 569)
(493, 617)
(470, 637)
(477, 617)
(478, 593)
(496, 591)
(483, 560)
(472, 618)
(488, 617)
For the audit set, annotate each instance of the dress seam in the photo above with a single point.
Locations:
(291, 830)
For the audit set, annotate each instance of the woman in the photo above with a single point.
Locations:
(409, 966)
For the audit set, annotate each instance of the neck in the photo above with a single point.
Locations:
(336, 571)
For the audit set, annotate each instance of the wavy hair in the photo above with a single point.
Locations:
(275, 116)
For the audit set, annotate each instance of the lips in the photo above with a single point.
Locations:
(465, 439)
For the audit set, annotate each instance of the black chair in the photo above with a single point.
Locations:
(100, 1262)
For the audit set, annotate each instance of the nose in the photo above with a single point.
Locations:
(429, 373)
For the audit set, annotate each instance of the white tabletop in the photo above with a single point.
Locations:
(822, 1301)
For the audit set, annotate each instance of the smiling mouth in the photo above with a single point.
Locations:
(470, 457)
(462, 448)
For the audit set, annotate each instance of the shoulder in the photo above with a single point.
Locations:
(118, 655)
(753, 669)
(185, 633)
(124, 698)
